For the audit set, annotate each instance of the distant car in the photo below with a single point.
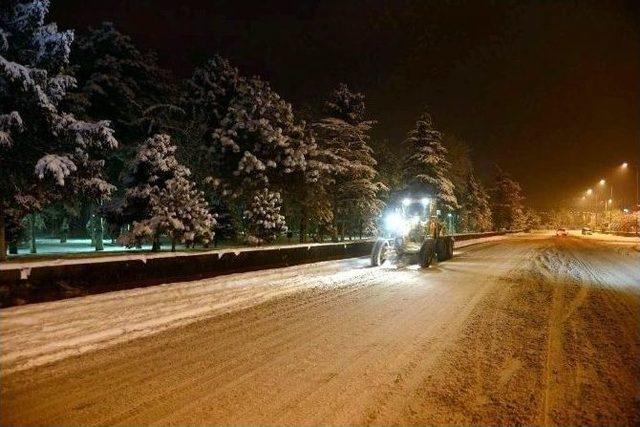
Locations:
(561, 232)
(586, 231)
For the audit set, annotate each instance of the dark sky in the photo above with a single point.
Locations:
(549, 90)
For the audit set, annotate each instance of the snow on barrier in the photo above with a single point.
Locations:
(471, 236)
(39, 281)
(42, 281)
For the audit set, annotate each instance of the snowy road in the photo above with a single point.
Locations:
(527, 329)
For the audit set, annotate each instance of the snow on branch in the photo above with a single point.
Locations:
(58, 166)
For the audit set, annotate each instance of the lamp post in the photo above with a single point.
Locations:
(625, 166)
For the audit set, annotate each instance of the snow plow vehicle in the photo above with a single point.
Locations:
(413, 234)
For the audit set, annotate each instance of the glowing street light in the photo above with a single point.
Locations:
(603, 182)
(589, 192)
(625, 166)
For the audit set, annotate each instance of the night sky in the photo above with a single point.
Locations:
(550, 91)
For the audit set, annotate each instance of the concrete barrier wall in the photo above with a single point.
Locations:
(53, 282)
(39, 283)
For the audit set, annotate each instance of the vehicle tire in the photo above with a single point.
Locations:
(441, 249)
(379, 253)
(427, 251)
(450, 245)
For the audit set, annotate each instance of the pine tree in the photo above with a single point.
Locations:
(475, 211)
(344, 138)
(45, 152)
(161, 200)
(426, 166)
(243, 136)
(264, 218)
(506, 202)
(117, 80)
(155, 164)
(178, 211)
(308, 202)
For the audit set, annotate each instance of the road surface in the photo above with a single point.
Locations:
(531, 329)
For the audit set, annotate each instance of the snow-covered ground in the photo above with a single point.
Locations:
(40, 333)
(533, 329)
(73, 246)
(610, 238)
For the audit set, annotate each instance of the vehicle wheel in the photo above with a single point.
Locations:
(379, 253)
(450, 245)
(425, 257)
(441, 249)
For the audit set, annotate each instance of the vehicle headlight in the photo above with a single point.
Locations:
(394, 223)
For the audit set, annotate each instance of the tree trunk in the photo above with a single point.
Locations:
(3, 240)
(303, 226)
(173, 245)
(64, 230)
(99, 233)
(155, 247)
(13, 247)
(32, 232)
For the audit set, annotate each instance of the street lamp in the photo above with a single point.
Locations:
(625, 166)
(602, 181)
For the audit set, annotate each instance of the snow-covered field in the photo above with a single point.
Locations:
(526, 329)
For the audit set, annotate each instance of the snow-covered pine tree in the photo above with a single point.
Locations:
(344, 138)
(263, 215)
(426, 167)
(117, 80)
(506, 202)
(157, 184)
(178, 211)
(45, 153)
(306, 192)
(475, 211)
(244, 137)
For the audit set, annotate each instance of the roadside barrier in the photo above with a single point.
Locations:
(40, 281)
(25, 284)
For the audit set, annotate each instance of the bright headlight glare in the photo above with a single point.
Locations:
(394, 222)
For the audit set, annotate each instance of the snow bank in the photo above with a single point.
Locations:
(37, 334)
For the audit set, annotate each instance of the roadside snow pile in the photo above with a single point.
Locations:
(37, 334)
(615, 240)
(464, 243)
